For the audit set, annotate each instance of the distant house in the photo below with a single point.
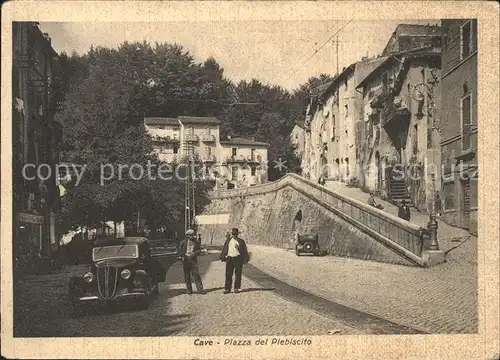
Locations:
(331, 122)
(244, 159)
(165, 136)
(233, 163)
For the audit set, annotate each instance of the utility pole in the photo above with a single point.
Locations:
(336, 43)
(187, 211)
(189, 186)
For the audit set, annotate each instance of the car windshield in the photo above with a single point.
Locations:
(117, 251)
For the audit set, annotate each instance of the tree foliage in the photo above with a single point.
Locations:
(107, 92)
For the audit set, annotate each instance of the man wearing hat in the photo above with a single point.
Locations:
(189, 249)
(235, 254)
(372, 202)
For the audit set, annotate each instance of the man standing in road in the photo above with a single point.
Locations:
(189, 249)
(235, 254)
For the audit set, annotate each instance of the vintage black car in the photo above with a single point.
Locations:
(308, 244)
(122, 269)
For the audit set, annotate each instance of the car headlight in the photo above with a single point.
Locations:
(88, 277)
(126, 274)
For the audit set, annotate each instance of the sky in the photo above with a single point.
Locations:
(274, 52)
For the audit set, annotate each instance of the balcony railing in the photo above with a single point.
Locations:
(236, 158)
(171, 139)
(254, 158)
(209, 158)
(392, 109)
(208, 138)
(191, 137)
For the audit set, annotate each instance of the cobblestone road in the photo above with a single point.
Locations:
(42, 310)
(441, 299)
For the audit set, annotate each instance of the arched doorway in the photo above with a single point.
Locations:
(337, 168)
(378, 164)
(296, 227)
(346, 162)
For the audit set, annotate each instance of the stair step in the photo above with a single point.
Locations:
(398, 184)
(398, 191)
(399, 196)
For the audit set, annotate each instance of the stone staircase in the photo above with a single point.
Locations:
(399, 192)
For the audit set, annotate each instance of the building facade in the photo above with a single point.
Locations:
(200, 136)
(459, 184)
(245, 161)
(166, 137)
(298, 139)
(411, 36)
(36, 138)
(332, 119)
(399, 139)
(231, 163)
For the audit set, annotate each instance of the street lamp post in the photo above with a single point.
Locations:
(432, 225)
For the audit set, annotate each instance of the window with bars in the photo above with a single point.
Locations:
(466, 122)
(332, 128)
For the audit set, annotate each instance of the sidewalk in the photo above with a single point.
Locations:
(449, 237)
(442, 299)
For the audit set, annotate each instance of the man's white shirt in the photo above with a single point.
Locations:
(232, 250)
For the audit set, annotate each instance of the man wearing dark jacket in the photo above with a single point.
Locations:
(189, 249)
(404, 211)
(235, 254)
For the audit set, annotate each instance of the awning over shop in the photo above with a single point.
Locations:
(215, 219)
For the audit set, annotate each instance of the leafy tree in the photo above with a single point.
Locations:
(107, 92)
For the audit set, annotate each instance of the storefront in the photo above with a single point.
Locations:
(28, 240)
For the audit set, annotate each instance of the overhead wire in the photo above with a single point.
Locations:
(308, 51)
(321, 47)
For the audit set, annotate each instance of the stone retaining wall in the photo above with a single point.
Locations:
(265, 215)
